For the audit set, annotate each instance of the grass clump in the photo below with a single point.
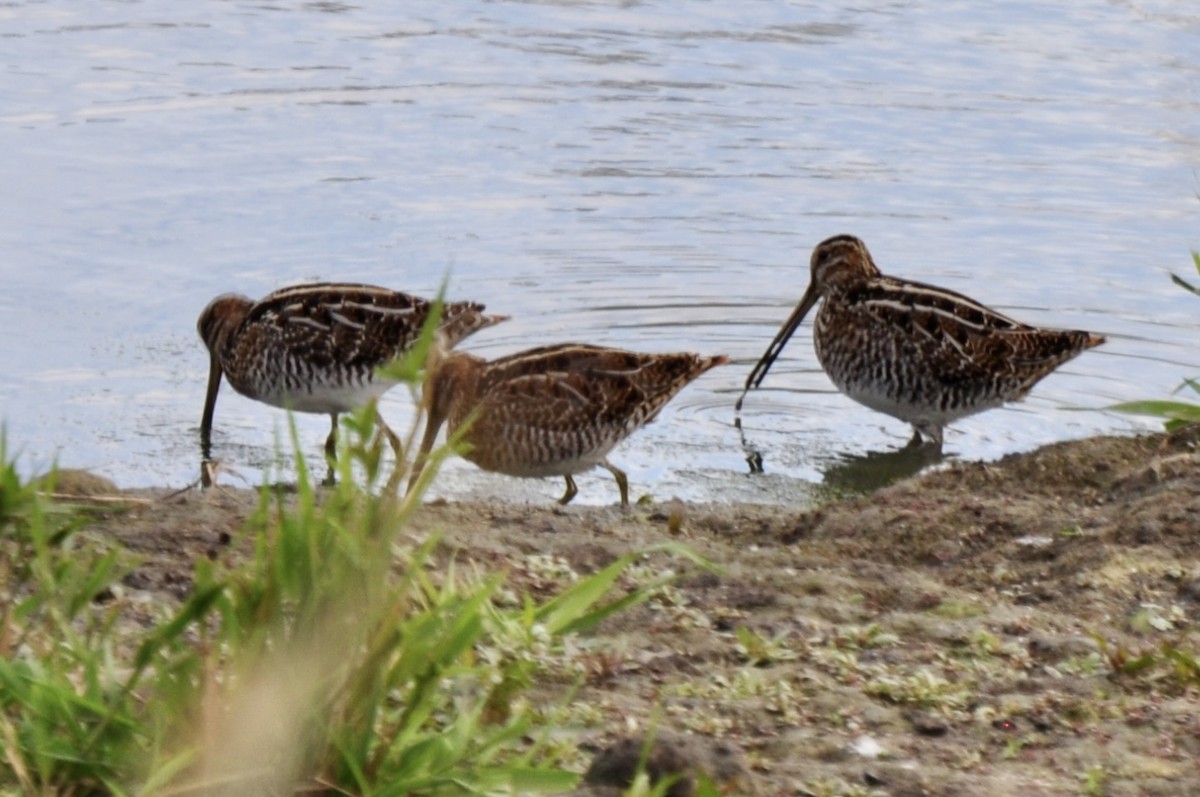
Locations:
(336, 657)
(65, 701)
(1175, 414)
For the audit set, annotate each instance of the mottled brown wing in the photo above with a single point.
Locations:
(356, 325)
(573, 386)
(962, 340)
(891, 300)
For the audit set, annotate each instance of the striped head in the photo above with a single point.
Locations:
(462, 319)
(216, 325)
(838, 262)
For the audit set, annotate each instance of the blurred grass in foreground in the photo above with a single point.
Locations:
(335, 658)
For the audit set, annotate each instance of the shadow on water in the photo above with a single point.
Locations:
(858, 474)
(865, 473)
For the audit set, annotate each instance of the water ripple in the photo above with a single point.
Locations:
(624, 174)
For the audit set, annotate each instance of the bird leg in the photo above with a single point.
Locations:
(571, 490)
(331, 451)
(926, 435)
(622, 481)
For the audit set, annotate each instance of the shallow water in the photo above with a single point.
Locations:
(650, 175)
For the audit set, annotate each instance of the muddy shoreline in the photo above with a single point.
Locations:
(957, 633)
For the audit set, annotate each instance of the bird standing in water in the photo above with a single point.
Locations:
(315, 348)
(554, 410)
(923, 354)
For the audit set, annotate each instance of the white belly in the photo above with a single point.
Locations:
(325, 398)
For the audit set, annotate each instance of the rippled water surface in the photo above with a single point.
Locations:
(643, 174)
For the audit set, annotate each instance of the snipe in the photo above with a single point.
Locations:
(315, 348)
(923, 354)
(554, 410)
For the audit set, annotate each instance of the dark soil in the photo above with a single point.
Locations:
(971, 632)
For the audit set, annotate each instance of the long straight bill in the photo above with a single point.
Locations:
(210, 399)
(769, 356)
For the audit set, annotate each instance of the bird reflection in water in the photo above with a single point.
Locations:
(754, 457)
(858, 473)
(865, 473)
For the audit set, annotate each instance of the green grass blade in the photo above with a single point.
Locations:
(573, 604)
(1185, 284)
(1172, 410)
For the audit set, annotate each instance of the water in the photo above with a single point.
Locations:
(642, 174)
